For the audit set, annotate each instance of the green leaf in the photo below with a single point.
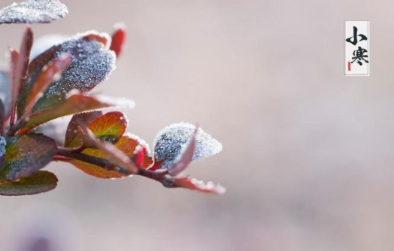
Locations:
(38, 182)
(109, 127)
(26, 154)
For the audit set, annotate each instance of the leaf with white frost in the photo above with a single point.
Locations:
(171, 141)
(92, 62)
(33, 11)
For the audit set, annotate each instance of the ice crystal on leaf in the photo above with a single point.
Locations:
(33, 11)
(171, 141)
(92, 62)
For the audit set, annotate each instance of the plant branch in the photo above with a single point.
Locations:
(159, 175)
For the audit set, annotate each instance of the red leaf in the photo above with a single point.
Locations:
(14, 55)
(20, 71)
(118, 39)
(102, 38)
(129, 143)
(194, 184)
(51, 73)
(73, 138)
(6, 84)
(35, 69)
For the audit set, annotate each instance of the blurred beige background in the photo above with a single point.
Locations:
(307, 157)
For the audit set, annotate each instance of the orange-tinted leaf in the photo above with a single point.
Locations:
(33, 11)
(39, 182)
(102, 38)
(118, 39)
(194, 184)
(115, 156)
(94, 170)
(91, 64)
(51, 73)
(127, 144)
(73, 138)
(74, 104)
(26, 154)
(109, 127)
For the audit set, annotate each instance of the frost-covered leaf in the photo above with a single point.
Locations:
(92, 62)
(26, 154)
(33, 11)
(185, 158)
(127, 144)
(109, 127)
(39, 182)
(199, 185)
(171, 141)
(73, 138)
(50, 73)
(118, 39)
(74, 104)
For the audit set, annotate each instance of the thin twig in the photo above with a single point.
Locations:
(160, 175)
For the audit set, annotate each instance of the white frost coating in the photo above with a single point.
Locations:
(94, 32)
(33, 11)
(3, 143)
(91, 64)
(172, 140)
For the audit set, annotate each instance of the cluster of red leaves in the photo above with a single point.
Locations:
(47, 88)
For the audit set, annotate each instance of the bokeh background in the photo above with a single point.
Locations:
(308, 153)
